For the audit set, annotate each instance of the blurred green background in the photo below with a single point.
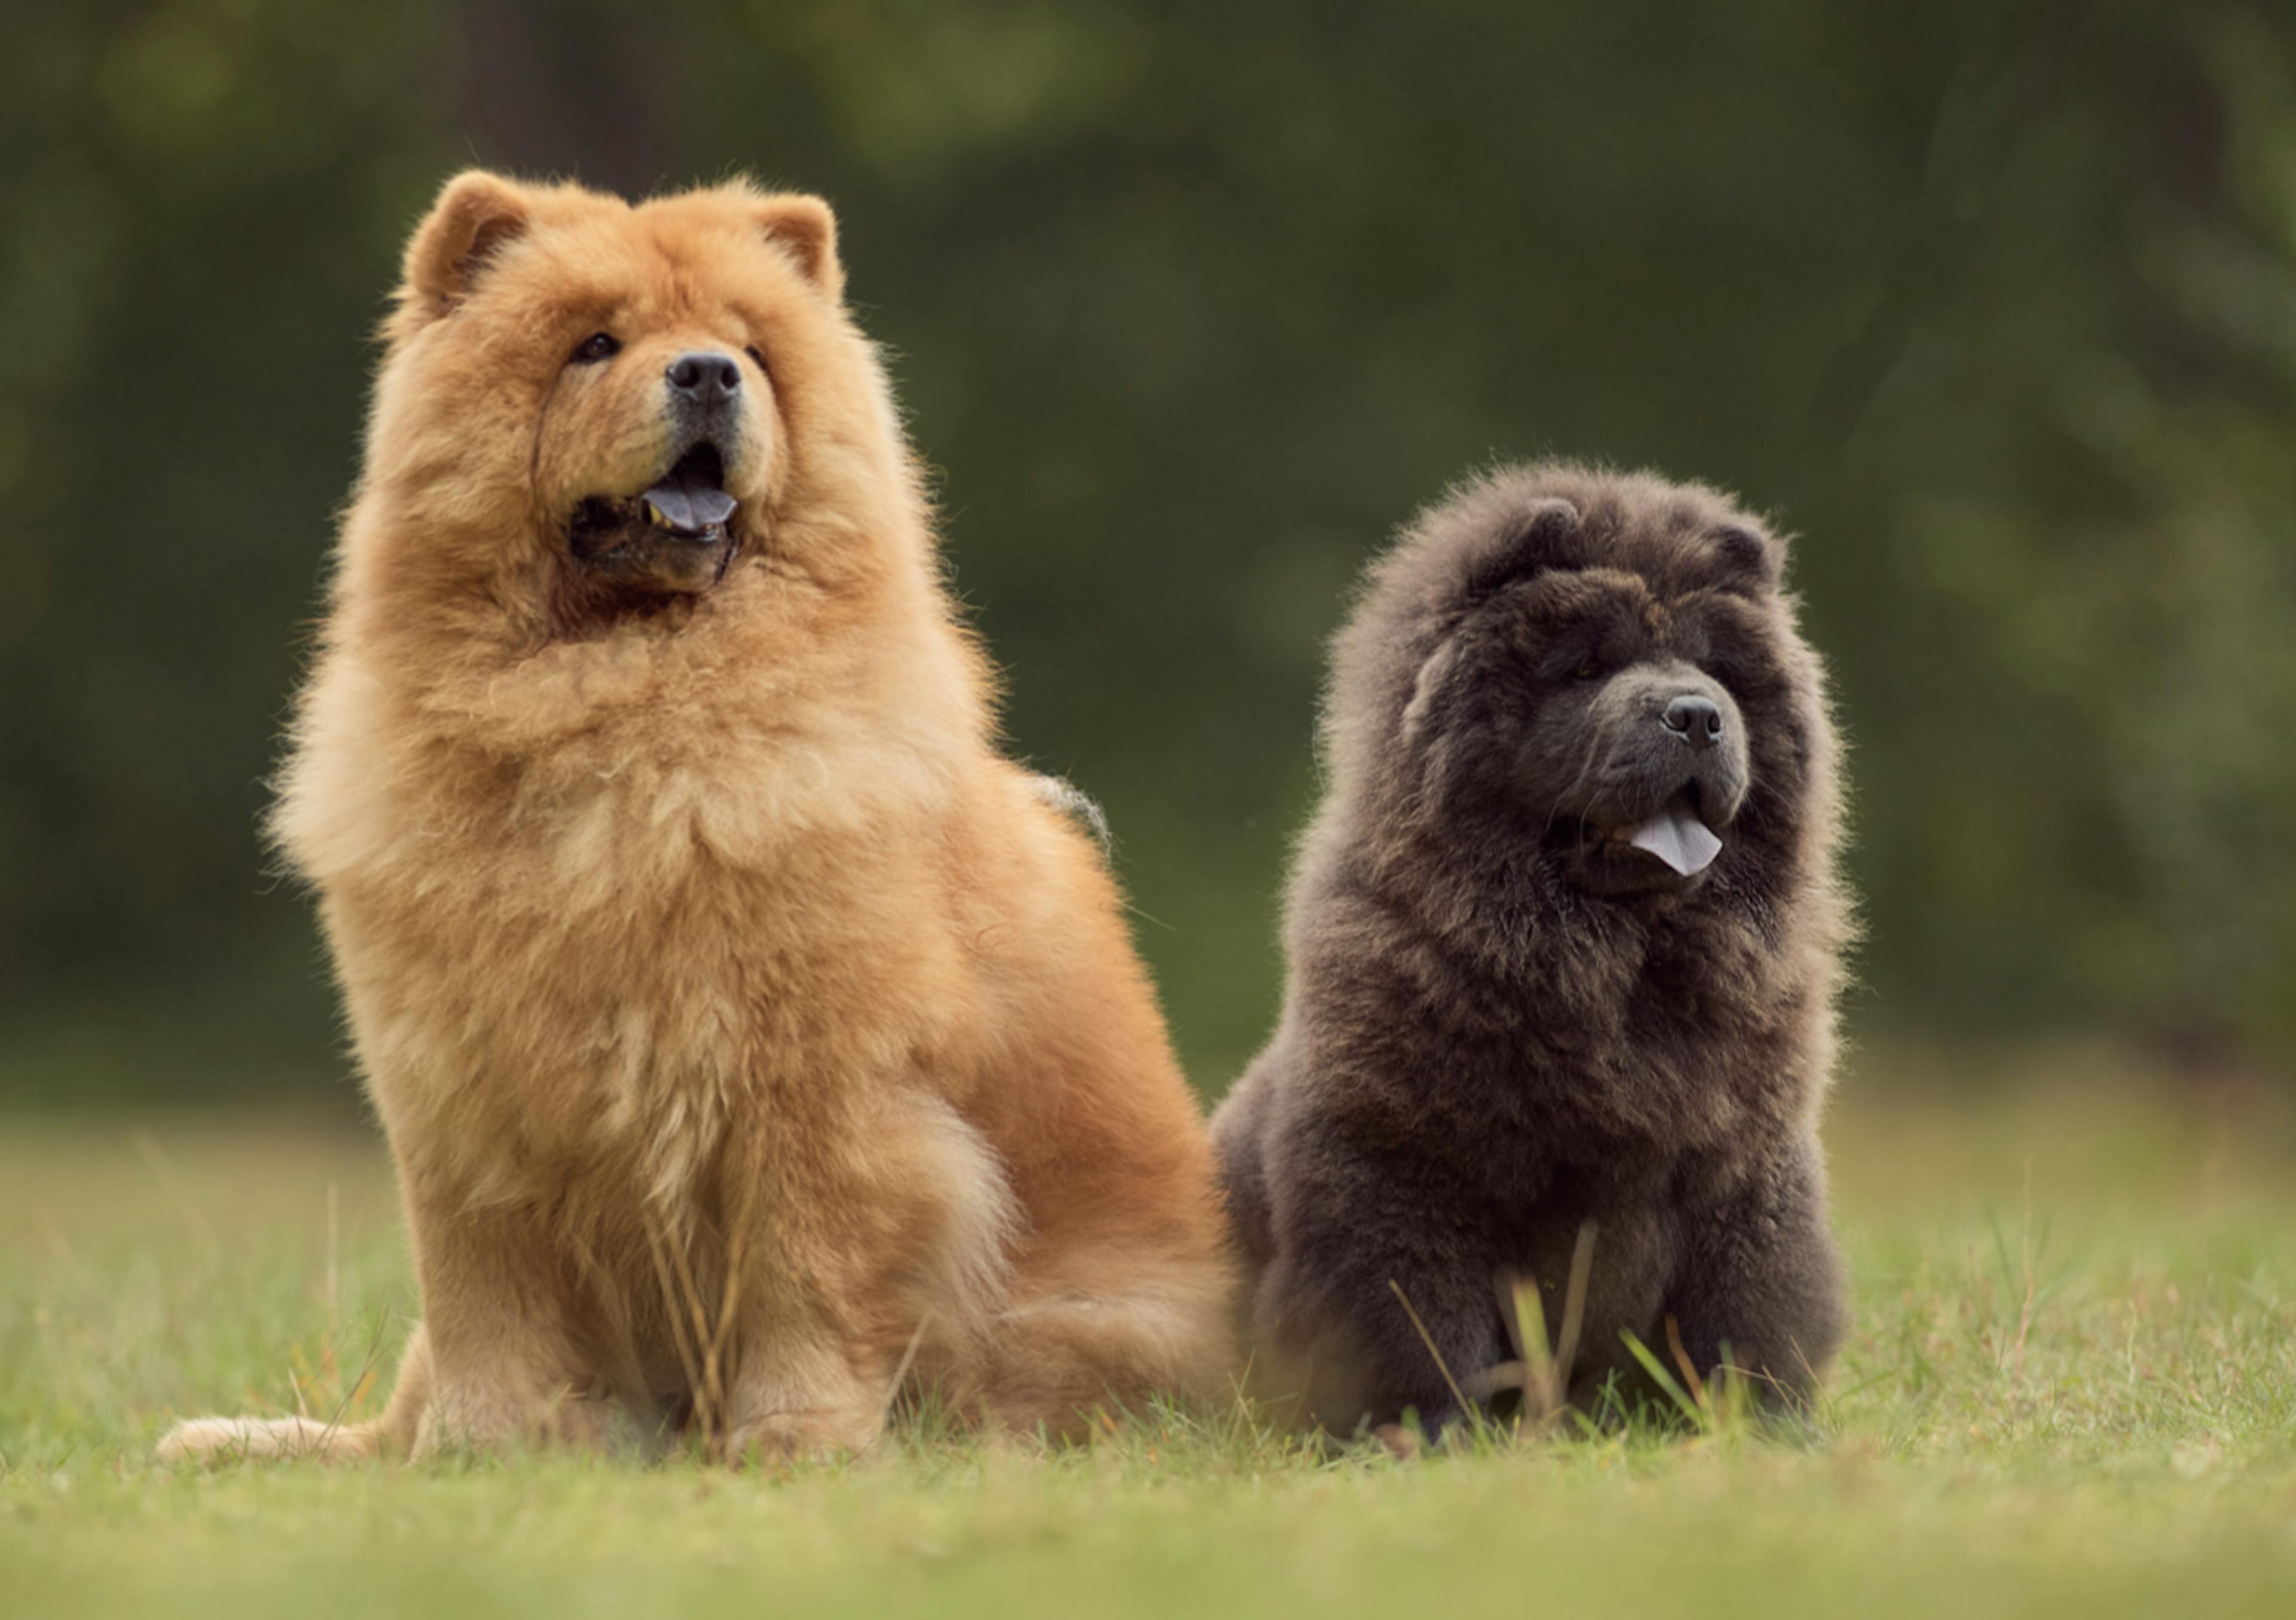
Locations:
(1993, 305)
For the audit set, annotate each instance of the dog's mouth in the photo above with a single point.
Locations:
(676, 535)
(1675, 834)
(1664, 849)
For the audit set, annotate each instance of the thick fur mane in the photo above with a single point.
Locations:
(1776, 918)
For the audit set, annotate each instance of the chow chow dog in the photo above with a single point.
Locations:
(755, 1044)
(1564, 939)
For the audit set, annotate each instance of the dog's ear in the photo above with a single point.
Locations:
(476, 215)
(804, 229)
(1748, 558)
(1427, 688)
(1540, 537)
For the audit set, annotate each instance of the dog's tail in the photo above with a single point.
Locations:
(214, 1441)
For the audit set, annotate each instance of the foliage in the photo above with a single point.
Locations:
(1191, 305)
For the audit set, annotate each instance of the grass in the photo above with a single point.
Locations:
(2071, 1389)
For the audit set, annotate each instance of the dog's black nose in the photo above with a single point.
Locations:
(704, 377)
(1697, 721)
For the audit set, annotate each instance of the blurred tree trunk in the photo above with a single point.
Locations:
(577, 92)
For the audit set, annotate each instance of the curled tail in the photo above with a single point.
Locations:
(220, 1440)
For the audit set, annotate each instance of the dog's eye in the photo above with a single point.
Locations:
(598, 346)
(756, 354)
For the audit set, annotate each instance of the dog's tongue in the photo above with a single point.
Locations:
(1680, 838)
(688, 502)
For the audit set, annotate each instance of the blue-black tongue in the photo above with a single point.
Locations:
(689, 500)
(1676, 836)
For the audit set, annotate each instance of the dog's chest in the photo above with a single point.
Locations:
(610, 991)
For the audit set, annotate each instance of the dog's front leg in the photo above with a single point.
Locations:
(803, 1380)
(857, 1253)
(799, 1396)
(505, 1369)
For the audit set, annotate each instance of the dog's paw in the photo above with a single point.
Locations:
(213, 1442)
(819, 1435)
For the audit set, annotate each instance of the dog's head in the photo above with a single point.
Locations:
(590, 409)
(1600, 668)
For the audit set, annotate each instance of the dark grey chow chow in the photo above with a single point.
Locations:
(1564, 940)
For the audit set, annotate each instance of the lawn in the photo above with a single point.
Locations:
(2071, 1389)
